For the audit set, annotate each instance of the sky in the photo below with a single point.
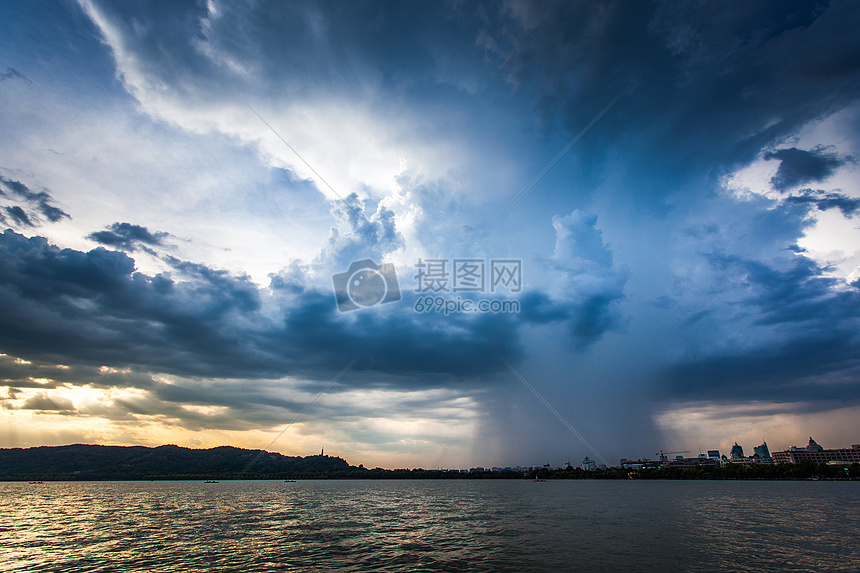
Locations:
(446, 234)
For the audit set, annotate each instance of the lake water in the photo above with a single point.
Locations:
(461, 525)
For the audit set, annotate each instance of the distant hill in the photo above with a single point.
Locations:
(92, 462)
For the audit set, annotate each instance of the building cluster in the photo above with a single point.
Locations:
(494, 469)
(761, 455)
(587, 464)
(816, 454)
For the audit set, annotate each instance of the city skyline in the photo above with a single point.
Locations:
(429, 235)
(844, 456)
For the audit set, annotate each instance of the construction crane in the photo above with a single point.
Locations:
(663, 454)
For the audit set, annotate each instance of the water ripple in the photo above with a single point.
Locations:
(469, 526)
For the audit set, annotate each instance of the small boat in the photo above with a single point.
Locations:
(35, 482)
(210, 481)
(289, 481)
(540, 480)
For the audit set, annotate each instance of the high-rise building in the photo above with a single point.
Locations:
(813, 446)
(817, 454)
(762, 453)
(737, 452)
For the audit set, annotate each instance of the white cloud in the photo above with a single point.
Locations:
(831, 239)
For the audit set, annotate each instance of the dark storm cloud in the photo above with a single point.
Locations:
(301, 46)
(65, 303)
(19, 216)
(826, 201)
(16, 187)
(815, 369)
(798, 166)
(41, 201)
(538, 308)
(706, 86)
(128, 237)
(400, 341)
(595, 316)
(799, 294)
(69, 307)
(813, 355)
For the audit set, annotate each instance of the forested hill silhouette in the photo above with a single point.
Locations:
(93, 462)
